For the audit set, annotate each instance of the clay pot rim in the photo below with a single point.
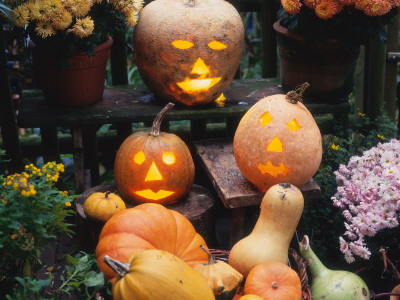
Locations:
(100, 47)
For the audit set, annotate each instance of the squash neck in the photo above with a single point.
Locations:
(313, 263)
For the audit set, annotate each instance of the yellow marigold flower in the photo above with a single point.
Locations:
(33, 192)
(361, 135)
(291, 6)
(335, 147)
(4, 201)
(68, 204)
(83, 27)
(44, 29)
(20, 16)
(131, 19)
(326, 9)
(14, 236)
(380, 136)
(23, 193)
(63, 20)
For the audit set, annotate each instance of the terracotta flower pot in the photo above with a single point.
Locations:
(327, 66)
(80, 84)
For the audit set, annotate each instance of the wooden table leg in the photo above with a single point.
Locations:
(50, 148)
(90, 156)
(237, 224)
(79, 170)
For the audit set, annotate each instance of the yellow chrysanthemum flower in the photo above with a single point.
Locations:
(20, 15)
(63, 20)
(44, 29)
(335, 147)
(131, 19)
(83, 27)
(79, 8)
(52, 8)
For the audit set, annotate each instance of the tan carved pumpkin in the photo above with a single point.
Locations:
(188, 51)
(153, 166)
(148, 226)
(277, 140)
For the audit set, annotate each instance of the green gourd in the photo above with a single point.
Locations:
(329, 284)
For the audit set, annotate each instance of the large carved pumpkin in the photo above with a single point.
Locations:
(188, 51)
(148, 226)
(277, 140)
(153, 166)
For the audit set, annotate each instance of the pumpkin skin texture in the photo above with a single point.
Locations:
(280, 212)
(273, 281)
(159, 275)
(220, 276)
(250, 297)
(102, 206)
(178, 43)
(277, 141)
(154, 166)
(148, 226)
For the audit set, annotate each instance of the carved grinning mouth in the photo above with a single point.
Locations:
(149, 194)
(269, 168)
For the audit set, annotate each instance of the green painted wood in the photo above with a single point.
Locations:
(8, 125)
(135, 104)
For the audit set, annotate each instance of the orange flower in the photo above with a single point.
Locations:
(291, 6)
(326, 9)
(377, 7)
(310, 3)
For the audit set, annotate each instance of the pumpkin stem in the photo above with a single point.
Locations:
(107, 194)
(121, 268)
(274, 285)
(211, 260)
(297, 94)
(155, 129)
(191, 3)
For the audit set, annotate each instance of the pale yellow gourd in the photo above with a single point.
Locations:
(280, 212)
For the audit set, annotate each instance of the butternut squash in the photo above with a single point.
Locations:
(280, 212)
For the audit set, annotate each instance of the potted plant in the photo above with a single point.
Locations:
(319, 42)
(68, 35)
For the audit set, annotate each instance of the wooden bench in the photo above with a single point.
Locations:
(235, 191)
(124, 105)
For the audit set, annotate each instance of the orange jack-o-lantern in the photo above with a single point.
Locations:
(277, 141)
(188, 51)
(154, 166)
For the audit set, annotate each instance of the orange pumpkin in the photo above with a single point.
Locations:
(273, 281)
(153, 166)
(188, 51)
(277, 140)
(148, 226)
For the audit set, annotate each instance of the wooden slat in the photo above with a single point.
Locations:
(234, 190)
(131, 104)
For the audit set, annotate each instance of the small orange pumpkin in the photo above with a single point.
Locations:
(148, 226)
(154, 167)
(250, 297)
(277, 140)
(273, 281)
(102, 206)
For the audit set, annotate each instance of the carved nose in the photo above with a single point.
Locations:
(200, 68)
(153, 173)
(275, 145)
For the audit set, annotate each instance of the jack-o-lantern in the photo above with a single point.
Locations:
(154, 166)
(188, 51)
(277, 140)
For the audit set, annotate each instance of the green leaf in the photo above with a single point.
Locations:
(93, 278)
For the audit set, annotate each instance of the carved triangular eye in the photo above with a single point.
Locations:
(215, 45)
(168, 158)
(181, 44)
(139, 157)
(265, 119)
(293, 125)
